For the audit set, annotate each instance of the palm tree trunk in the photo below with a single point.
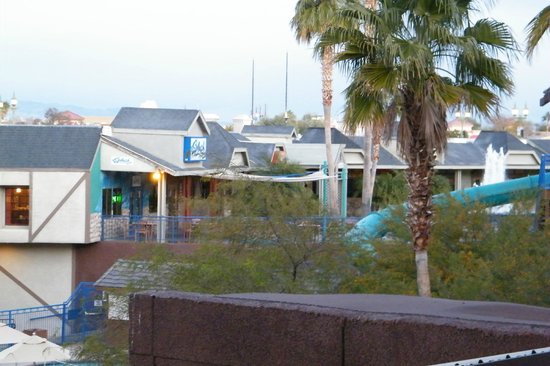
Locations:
(326, 65)
(371, 149)
(368, 181)
(419, 175)
(422, 273)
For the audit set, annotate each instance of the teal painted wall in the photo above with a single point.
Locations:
(95, 184)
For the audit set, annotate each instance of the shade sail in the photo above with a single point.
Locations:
(8, 335)
(33, 349)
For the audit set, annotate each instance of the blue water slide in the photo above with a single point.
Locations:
(372, 225)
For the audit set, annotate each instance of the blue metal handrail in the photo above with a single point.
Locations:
(68, 317)
(544, 181)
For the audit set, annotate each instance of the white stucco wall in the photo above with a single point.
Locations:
(68, 223)
(46, 269)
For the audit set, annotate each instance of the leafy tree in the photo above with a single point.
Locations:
(474, 256)
(51, 115)
(300, 125)
(512, 125)
(4, 109)
(421, 59)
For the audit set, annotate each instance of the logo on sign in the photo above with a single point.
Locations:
(122, 160)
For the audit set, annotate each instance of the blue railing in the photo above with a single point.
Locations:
(70, 321)
(182, 229)
(544, 180)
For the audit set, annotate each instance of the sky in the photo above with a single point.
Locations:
(193, 54)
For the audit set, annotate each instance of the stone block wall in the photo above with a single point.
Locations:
(171, 328)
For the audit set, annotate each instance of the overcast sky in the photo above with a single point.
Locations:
(190, 54)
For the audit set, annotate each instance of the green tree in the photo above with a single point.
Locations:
(473, 256)
(307, 121)
(536, 29)
(421, 59)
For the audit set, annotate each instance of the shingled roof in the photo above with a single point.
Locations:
(387, 159)
(155, 118)
(541, 144)
(221, 145)
(500, 139)
(316, 135)
(124, 273)
(462, 154)
(48, 147)
(269, 130)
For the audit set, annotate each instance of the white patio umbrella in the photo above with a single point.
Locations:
(8, 335)
(34, 349)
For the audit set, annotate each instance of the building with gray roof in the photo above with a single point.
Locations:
(155, 119)
(48, 147)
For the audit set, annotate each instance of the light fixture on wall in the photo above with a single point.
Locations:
(17, 190)
(156, 175)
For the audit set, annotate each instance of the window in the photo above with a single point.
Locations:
(16, 206)
(112, 201)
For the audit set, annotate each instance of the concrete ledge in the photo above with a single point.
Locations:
(278, 329)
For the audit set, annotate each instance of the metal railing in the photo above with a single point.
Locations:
(70, 321)
(183, 229)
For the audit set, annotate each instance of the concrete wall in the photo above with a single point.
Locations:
(47, 270)
(170, 328)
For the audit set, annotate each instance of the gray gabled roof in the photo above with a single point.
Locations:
(269, 130)
(155, 118)
(221, 145)
(500, 139)
(386, 158)
(48, 147)
(316, 135)
(462, 154)
(138, 274)
(542, 144)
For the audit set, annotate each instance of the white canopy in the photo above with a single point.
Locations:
(8, 335)
(231, 175)
(34, 349)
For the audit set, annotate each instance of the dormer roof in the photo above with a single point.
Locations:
(158, 119)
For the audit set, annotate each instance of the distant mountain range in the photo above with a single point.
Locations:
(27, 108)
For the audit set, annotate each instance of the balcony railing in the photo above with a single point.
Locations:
(183, 229)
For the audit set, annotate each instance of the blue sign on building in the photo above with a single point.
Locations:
(194, 149)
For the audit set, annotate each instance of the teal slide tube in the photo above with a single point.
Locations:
(372, 225)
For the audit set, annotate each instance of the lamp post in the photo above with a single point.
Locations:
(462, 115)
(13, 107)
(520, 118)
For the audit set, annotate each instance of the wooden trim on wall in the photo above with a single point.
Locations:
(58, 207)
(27, 289)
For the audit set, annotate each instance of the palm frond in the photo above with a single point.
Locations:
(536, 29)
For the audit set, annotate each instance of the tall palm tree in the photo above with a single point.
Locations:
(312, 18)
(421, 58)
(537, 27)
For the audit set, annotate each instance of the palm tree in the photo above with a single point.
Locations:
(312, 18)
(422, 58)
(536, 29)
